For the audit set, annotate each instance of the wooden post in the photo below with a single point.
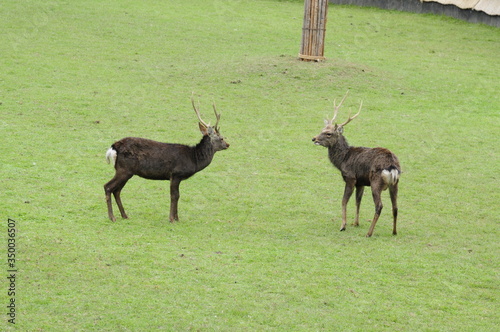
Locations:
(313, 30)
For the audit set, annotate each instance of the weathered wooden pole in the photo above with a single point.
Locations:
(313, 30)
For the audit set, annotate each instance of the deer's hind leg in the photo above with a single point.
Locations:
(115, 186)
(377, 199)
(393, 191)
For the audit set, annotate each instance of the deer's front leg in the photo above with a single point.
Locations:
(359, 196)
(174, 198)
(349, 188)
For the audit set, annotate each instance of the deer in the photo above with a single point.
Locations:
(161, 161)
(361, 167)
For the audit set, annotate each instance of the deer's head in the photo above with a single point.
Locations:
(217, 140)
(332, 131)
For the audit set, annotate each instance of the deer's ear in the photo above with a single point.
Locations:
(340, 130)
(203, 129)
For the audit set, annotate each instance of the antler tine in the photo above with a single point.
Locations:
(336, 108)
(197, 111)
(353, 117)
(217, 116)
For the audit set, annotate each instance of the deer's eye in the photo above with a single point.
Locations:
(328, 135)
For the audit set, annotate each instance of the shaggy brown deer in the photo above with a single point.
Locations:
(375, 167)
(161, 161)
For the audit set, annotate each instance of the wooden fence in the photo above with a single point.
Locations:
(313, 30)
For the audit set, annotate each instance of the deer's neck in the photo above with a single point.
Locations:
(203, 153)
(338, 152)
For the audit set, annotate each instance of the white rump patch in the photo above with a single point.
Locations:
(390, 177)
(111, 156)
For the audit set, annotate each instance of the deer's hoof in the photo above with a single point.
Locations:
(342, 229)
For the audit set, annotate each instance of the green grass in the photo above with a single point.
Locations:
(257, 246)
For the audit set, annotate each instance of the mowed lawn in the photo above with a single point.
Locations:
(258, 246)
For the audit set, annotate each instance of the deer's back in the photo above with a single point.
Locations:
(363, 163)
(153, 160)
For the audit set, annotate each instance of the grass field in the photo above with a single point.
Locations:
(258, 245)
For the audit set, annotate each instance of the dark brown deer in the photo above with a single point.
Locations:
(161, 161)
(375, 167)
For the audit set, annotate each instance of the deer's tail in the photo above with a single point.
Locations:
(111, 155)
(391, 175)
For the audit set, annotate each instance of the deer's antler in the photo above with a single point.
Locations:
(353, 117)
(197, 111)
(217, 116)
(336, 108)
